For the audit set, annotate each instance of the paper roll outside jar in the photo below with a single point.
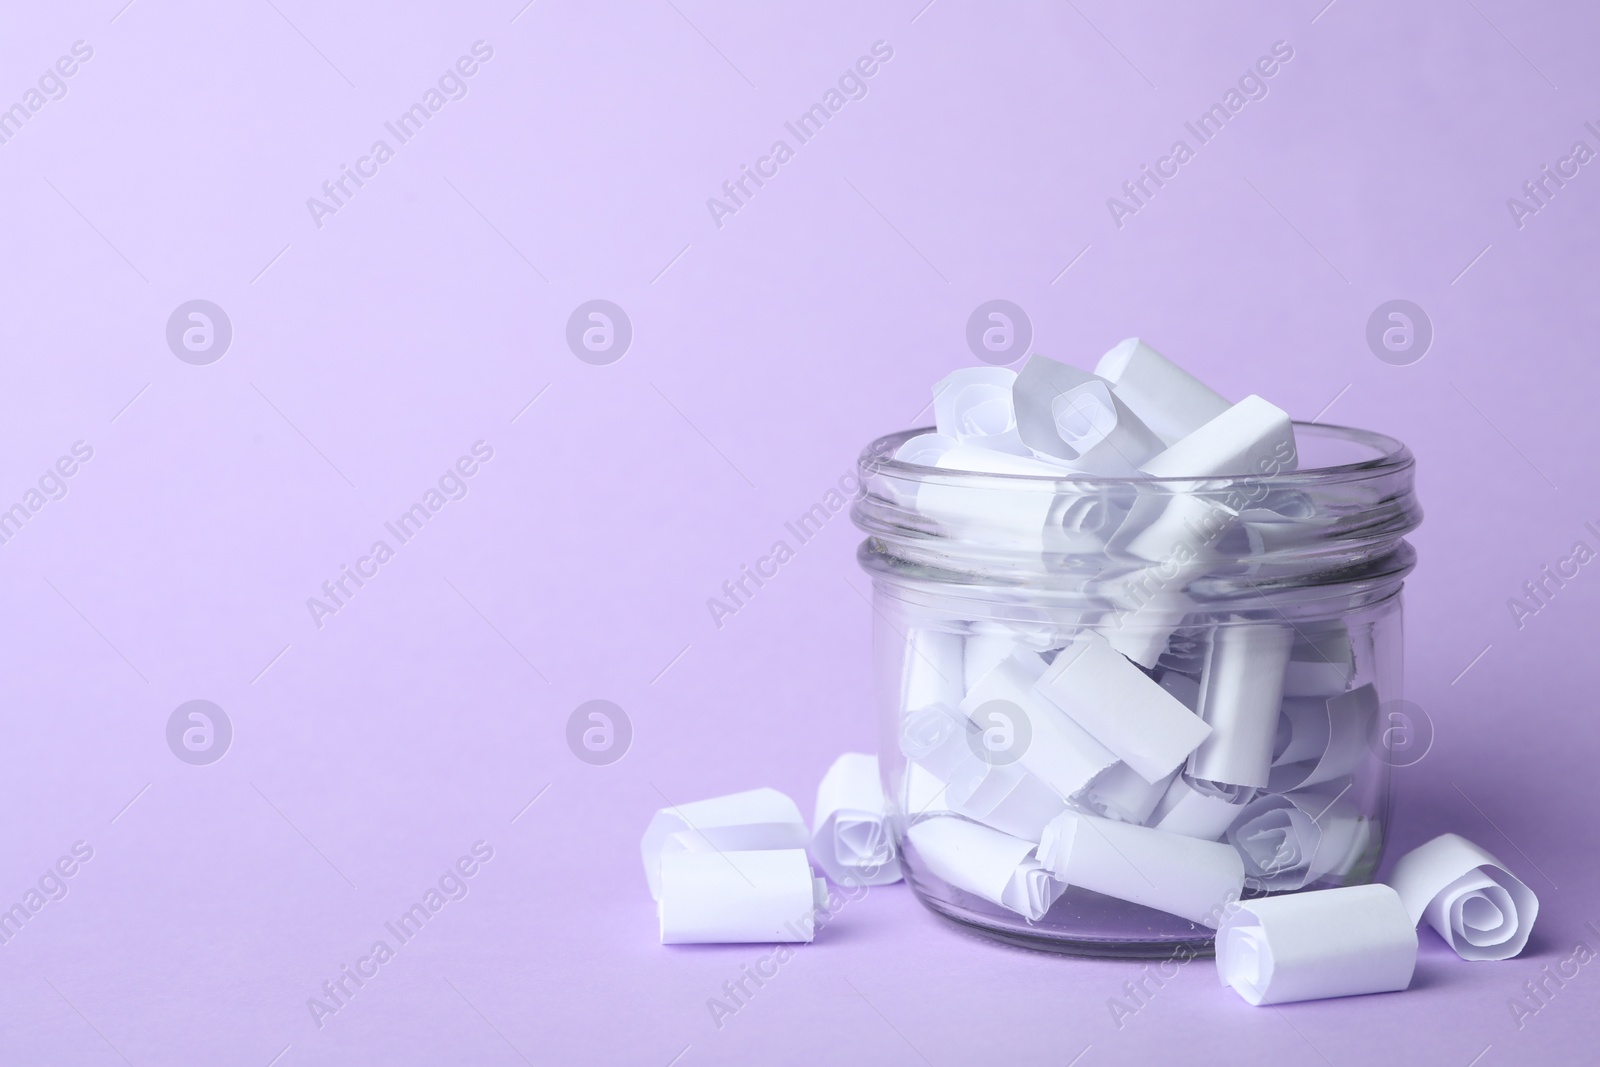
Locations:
(1166, 619)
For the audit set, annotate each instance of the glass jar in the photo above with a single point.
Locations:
(1149, 674)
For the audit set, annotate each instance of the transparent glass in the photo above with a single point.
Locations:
(1204, 586)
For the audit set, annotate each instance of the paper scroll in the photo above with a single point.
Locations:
(935, 738)
(1481, 909)
(989, 864)
(734, 897)
(1322, 738)
(1015, 513)
(1308, 946)
(1182, 876)
(1119, 705)
(1291, 840)
(1252, 437)
(1165, 397)
(1241, 691)
(931, 670)
(1197, 809)
(974, 406)
(1073, 417)
(1003, 796)
(1043, 739)
(756, 819)
(851, 839)
(1119, 793)
(1322, 661)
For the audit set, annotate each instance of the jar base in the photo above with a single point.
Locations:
(1044, 939)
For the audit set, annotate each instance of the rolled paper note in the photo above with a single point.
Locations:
(851, 837)
(1176, 535)
(1322, 661)
(1322, 738)
(1003, 796)
(1291, 840)
(758, 819)
(1141, 723)
(936, 738)
(931, 668)
(1014, 514)
(1196, 809)
(1119, 793)
(1016, 723)
(737, 896)
(1183, 876)
(1073, 417)
(1481, 909)
(983, 652)
(923, 450)
(974, 406)
(1165, 397)
(1252, 437)
(1084, 520)
(988, 864)
(1309, 946)
(923, 793)
(1142, 629)
(1241, 692)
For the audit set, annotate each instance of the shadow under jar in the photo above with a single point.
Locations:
(1047, 648)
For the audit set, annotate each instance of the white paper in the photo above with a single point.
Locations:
(1176, 534)
(1141, 723)
(1196, 811)
(1322, 662)
(989, 864)
(1056, 749)
(974, 406)
(1183, 876)
(931, 669)
(1121, 794)
(1252, 437)
(1241, 692)
(1073, 417)
(1014, 513)
(852, 840)
(922, 793)
(923, 450)
(1290, 840)
(1322, 738)
(758, 819)
(1164, 396)
(935, 737)
(1005, 797)
(1481, 909)
(1308, 946)
(736, 896)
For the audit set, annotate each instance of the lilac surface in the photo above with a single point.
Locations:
(429, 311)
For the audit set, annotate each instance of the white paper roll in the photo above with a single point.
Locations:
(1193, 811)
(1015, 514)
(931, 670)
(1308, 946)
(1167, 398)
(758, 819)
(989, 864)
(1322, 738)
(1141, 723)
(1183, 876)
(1074, 417)
(936, 738)
(734, 897)
(1252, 437)
(1290, 840)
(1005, 797)
(1044, 739)
(974, 406)
(1119, 793)
(851, 839)
(1481, 909)
(922, 793)
(1241, 692)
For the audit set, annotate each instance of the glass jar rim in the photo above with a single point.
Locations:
(1390, 456)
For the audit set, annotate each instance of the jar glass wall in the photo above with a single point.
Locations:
(1053, 645)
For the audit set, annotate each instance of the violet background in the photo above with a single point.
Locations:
(430, 311)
